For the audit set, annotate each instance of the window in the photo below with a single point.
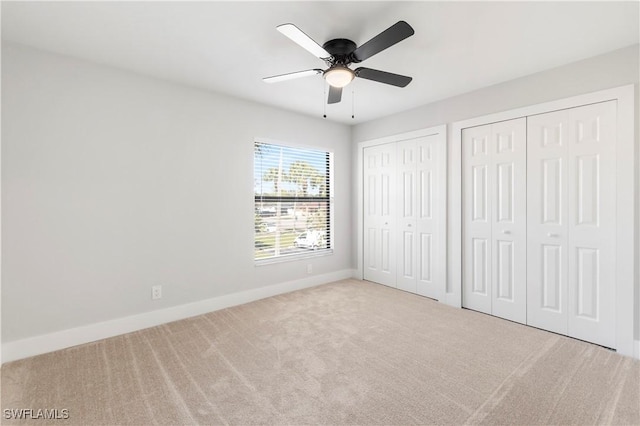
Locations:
(293, 200)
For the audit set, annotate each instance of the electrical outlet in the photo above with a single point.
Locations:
(309, 268)
(156, 292)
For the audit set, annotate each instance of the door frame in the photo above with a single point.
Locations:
(626, 208)
(441, 188)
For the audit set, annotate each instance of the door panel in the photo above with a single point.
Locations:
(407, 257)
(551, 190)
(425, 193)
(546, 221)
(476, 218)
(552, 278)
(587, 283)
(591, 225)
(571, 188)
(480, 273)
(430, 280)
(379, 214)
(371, 237)
(479, 195)
(506, 183)
(509, 227)
(494, 219)
(426, 259)
(505, 268)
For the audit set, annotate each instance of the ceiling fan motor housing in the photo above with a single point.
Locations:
(341, 49)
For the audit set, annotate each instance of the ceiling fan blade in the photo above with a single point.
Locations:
(383, 77)
(295, 34)
(335, 95)
(291, 76)
(392, 35)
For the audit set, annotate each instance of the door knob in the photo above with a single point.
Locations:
(552, 235)
(409, 225)
(386, 223)
(506, 231)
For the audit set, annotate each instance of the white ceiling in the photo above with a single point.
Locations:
(229, 46)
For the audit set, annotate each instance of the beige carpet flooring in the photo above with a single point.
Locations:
(349, 352)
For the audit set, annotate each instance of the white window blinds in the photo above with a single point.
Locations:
(292, 188)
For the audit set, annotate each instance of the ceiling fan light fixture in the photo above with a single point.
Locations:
(339, 76)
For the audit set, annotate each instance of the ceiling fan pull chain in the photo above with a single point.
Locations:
(353, 101)
(324, 96)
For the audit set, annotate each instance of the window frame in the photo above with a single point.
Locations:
(329, 199)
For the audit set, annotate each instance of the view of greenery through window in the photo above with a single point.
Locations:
(292, 200)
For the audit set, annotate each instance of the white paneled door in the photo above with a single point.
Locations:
(430, 226)
(571, 222)
(546, 221)
(476, 218)
(407, 225)
(403, 229)
(509, 229)
(494, 219)
(417, 162)
(379, 206)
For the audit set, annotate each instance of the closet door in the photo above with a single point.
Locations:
(429, 152)
(494, 219)
(509, 225)
(407, 215)
(572, 194)
(592, 223)
(404, 224)
(547, 221)
(476, 218)
(380, 214)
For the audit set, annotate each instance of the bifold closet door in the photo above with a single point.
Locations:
(407, 216)
(380, 214)
(494, 219)
(402, 227)
(430, 277)
(571, 222)
(417, 224)
(476, 218)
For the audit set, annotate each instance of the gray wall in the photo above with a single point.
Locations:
(613, 69)
(114, 182)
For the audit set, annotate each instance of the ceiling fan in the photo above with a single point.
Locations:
(339, 53)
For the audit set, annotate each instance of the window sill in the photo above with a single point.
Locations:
(293, 257)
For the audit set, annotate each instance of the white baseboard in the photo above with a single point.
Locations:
(37, 345)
